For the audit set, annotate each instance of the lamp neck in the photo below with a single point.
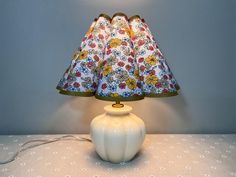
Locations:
(117, 105)
(111, 110)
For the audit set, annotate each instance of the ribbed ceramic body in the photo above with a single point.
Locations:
(117, 134)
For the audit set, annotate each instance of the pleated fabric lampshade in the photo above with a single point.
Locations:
(118, 60)
(157, 79)
(81, 78)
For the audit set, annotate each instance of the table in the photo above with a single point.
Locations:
(162, 155)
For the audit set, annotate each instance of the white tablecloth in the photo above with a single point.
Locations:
(163, 155)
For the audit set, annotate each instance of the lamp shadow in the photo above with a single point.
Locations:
(137, 160)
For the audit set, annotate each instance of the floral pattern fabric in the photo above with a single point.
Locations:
(155, 74)
(81, 76)
(119, 77)
(118, 59)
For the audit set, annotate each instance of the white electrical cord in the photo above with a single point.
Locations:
(43, 141)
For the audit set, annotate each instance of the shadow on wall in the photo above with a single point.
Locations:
(161, 115)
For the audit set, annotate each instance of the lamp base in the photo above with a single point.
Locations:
(117, 134)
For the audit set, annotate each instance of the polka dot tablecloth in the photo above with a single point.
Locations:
(164, 155)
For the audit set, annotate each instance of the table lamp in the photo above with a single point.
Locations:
(118, 60)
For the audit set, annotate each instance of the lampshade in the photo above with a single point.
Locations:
(157, 79)
(81, 77)
(118, 60)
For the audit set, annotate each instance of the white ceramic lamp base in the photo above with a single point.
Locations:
(117, 134)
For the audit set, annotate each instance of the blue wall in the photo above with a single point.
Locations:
(38, 38)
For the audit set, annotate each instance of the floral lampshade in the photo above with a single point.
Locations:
(157, 79)
(118, 60)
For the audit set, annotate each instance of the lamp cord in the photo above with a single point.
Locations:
(23, 147)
